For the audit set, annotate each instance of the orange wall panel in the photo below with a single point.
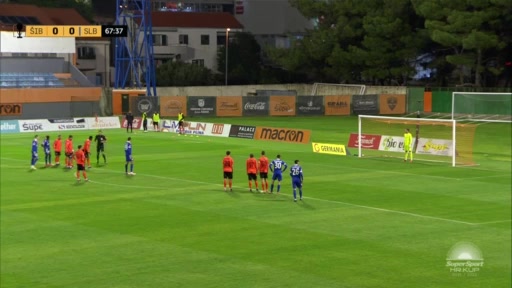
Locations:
(48, 95)
(427, 101)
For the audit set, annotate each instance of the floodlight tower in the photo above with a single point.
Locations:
(134, 61)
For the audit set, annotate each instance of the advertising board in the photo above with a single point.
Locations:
(334, 149)
(242, 131)
(9, 126)
(310, 105)
(368, 141)
(283, 135)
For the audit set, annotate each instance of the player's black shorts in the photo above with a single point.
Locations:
(57, 153)
(155, 123)
(87, 154)
(80, 167)
(263, 175)
(251, 176)
(228, 175)
(100, 149)
(180, 123)
(69, 155)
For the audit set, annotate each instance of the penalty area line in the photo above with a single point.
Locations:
(311, 198)
(395, 211)
(324, 200)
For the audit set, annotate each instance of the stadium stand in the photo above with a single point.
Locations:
(29, 79)
(45, 68)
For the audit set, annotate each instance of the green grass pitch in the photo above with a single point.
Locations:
(370, 222)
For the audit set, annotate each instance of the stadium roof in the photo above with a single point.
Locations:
(12, 14)
(195, 20)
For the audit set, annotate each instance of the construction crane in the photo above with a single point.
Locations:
(134, 60)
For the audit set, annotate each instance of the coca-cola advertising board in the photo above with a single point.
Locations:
(368, 141)
(255, 105)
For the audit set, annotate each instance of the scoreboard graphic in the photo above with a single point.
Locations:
(82, 31)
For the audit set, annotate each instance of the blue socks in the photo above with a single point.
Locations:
(131, 167)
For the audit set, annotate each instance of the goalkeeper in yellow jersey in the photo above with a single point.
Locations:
(407, 144)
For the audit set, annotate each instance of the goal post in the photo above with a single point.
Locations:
(436, 140)
(482, 106)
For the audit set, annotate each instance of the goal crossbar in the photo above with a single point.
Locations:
(412, 121)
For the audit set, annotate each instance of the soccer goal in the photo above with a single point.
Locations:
(436, 140)
(482, 107)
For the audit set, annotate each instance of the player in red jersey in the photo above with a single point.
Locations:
(57, 148)
(252, 168)
(227, 165)
(69, 152)
(263, 168)
(80, 163)
(87, 151)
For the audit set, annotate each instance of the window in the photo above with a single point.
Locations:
(184, 39)
(86, 53)
(205, 39)
(198, 62)
(221, 40)
(159, 40)
(99, 79)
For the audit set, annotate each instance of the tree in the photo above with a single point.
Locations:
(471, 30)
(244, 64)
(354, 41)
(84, 7)
(183, 74)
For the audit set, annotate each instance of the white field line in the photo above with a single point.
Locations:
(494, 222)
(322, 200)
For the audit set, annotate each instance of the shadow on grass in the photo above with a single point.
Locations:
(304, 204)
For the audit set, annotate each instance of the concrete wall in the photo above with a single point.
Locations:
(36, 65)
(57, 110)
(302, 89)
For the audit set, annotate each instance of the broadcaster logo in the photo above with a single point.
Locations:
(464, 259)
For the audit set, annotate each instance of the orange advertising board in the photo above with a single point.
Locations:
(229, 106)
(392, 104)
(282, 105)
(11, 109)
(283, 135)
(337, 104)
(170, 106)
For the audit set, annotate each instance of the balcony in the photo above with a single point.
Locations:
(185, 51)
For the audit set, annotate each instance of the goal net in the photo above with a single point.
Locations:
(482, 107)
(437, 140)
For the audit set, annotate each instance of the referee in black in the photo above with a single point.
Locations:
(129, 121)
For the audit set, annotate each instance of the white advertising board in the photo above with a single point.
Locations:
(392, 143)
(103, 123)
(197, 128)
(68, 124)
(440, 147)
(426, 146)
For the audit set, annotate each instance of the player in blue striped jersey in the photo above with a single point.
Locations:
(277, 166)
(47, 151)
(35, 146)
(297, 179)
